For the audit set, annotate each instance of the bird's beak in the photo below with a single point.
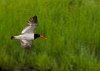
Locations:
(41, 36)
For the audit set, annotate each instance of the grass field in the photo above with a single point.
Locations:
(71, 26)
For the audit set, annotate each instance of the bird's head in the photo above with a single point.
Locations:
(39, 36)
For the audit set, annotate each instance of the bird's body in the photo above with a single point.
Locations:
(27, 34)
(25, 37)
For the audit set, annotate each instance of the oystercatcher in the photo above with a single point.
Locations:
(27, 34)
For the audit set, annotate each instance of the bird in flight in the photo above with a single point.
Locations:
(27, 34)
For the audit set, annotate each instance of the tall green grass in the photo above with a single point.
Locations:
(71, 26)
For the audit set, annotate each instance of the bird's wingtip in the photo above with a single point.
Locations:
(34, 16)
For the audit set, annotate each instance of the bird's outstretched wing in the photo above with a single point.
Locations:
(26, 43)
(31, 25)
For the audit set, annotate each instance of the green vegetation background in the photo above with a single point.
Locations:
(71, 26)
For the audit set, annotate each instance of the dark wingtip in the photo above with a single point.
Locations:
(12, 37)
(35, 19)
(35, 16)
